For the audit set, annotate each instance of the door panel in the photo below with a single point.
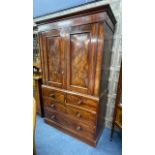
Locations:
(80, 57)
(79, 46)
(53, 58)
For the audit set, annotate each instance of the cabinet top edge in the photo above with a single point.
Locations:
(81, 10)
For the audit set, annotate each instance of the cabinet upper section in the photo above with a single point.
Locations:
(72, 49)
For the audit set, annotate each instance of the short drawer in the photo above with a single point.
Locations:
(48, 102)
(83, 102)
(71, 124)
(55, 95)
(82, 115)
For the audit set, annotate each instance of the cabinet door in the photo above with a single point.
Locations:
(81, 57)
(52, 58)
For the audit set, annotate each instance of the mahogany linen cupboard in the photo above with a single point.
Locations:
(75, 58)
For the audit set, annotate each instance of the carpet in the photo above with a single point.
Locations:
(50, 141)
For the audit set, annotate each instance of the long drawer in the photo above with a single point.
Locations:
(71, 123)
(82, 115)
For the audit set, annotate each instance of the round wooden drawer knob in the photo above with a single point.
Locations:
(52, 95)
(78, 128)
(53, 117)
(79, 102)
(78, 115)
(52, 106)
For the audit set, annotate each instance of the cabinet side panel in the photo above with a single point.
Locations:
(98, 61)
(105, 72)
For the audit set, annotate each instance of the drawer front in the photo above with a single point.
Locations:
(71, 123)
(119, 116)
(82, 115)
(49, 103)
(55, 95)
(82, 102)
(34, 83)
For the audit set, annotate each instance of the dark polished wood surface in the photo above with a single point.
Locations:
(97, 14)
(75, 50)
(71, 124)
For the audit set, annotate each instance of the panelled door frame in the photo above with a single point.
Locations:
(45, 38)
(92, 29)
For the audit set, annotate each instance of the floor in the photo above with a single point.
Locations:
(50, 141)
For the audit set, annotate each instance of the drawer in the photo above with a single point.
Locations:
(82, 115)
(82, 102)
(119, 116)
(34, 83)
(71, 123)
(49, 103)
(55, 95)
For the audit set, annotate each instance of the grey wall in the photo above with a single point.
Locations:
(116, 6)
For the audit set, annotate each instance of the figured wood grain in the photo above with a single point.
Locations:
(72, 133)
(99, 57)
(55, 95)
(82, 102)
(70, 122)
(72, 93)
(82, 115)
(52, 104)
(52, 50)
(92, 56)
(54, 59)
(79, 59)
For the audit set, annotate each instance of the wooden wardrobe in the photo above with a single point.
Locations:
(75, 58)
